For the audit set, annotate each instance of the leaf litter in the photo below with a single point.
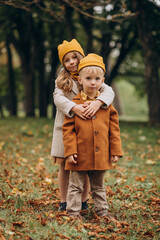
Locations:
(30, 197)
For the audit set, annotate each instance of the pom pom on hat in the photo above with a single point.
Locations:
(66, 47)
(91, 60)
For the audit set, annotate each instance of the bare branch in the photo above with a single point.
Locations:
(76, 5)
(38, 7)
(113, 18)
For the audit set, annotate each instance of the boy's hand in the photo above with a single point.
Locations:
(91, 108)
(114, 159)
(71, 158)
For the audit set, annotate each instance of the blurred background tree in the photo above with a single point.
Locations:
(124, 33)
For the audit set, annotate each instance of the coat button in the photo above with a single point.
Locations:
(95, 133)
(94, 117)
(97, 149)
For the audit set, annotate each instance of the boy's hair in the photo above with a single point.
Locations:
(64, 79)
(91, 70)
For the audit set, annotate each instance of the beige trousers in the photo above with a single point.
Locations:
(75, 189)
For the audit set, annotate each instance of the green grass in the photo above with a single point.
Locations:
(29, 195)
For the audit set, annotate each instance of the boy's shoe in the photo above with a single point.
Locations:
(76, 216)
(84, 205)
(109, 217)
(62, 206)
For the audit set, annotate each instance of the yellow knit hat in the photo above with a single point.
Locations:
(66, 47)
(91, 60)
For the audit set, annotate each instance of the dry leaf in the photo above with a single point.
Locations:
(150, 162)
(2, 237)
(18, 224)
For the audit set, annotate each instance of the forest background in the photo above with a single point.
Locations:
(125, 33)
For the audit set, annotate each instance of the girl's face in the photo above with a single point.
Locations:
(71, 62)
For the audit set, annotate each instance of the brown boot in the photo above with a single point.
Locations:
(109, 217)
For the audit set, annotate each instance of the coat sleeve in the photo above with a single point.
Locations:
(69, 136)
(114, 134)
(62, 102)
(106, 95)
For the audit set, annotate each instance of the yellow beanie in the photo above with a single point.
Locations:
(91, 60)
(66, 47)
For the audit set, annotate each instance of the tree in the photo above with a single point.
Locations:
(11, 83)
(146, 22)
(40, 53)
(102, 26)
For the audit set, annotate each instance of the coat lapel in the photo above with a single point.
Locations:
(78, 99)
(75, 88)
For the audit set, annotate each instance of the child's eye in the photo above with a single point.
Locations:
(75, 56)
(97, 78)
(66, 60)
(88, 78)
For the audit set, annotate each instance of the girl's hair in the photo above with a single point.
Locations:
(92, 70)
(64, 79)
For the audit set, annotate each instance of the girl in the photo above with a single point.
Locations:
(66, 88)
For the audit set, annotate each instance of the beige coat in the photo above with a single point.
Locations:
(94, 140)
(64, 105)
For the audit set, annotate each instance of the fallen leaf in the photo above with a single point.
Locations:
(140, 179)
(18, 224)
(142, 138)
(1, 145)
(150, 162)
(2, 237)
(62, 236)
(10, 232)
(16, 191)
(48, 180)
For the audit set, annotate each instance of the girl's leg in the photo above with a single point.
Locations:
(63, 181)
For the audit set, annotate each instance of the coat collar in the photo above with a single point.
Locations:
(79, 98)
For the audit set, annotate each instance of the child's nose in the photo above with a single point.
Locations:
(93, 81)
(72, 61)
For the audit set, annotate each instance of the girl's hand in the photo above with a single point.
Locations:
(91, 108)
(71, 158)
(78, 110)
(114, 159)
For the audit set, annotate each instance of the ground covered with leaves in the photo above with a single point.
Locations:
(29, 195)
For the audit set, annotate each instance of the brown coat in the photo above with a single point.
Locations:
(93, 139)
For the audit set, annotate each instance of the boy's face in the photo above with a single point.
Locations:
(70, 61)
(91, 81)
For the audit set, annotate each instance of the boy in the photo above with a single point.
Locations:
(90, 145)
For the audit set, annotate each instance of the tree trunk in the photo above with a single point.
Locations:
(11, 84)
(25, 49)
(105, 50)
(87, 24)
(40, 66)
(27, 64)
(151, 60)
(69, 21)
(153, 92)
(1, 112)
(127, 45)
